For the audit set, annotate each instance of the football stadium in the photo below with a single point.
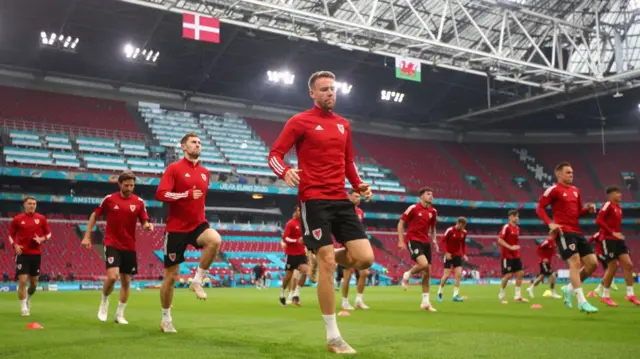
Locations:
(311, 178)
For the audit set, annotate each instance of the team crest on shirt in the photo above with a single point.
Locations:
(611, 255)
(575, 194)
(341, 128)
(172, 257)
(204, 177)
(572, 246)
(430, 215)
(110, 260)
(317, 233)
(19, 266)
(37, 221)
(132, 207)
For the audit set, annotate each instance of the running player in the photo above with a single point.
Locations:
(508, 240)
(27, 232)
(566, 207)
(614, 247)
(546, 250)
(454, 241)
(421, 218)
(361, 275)
(296, 257)
(123, 209)
(596, 241)
(325, 156)
(184, 186)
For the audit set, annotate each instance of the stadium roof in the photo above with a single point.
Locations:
(527, 55)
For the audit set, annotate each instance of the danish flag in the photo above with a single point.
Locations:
(202, 28)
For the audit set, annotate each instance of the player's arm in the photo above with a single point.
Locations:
(501, 241)
(165, 193)
(590, 208)
(143, 217)
(401, 233)
(434, 235)
(290, 134)
(541, 209)
(46, 229)
(601, 219)
(351, 170)
(287, 237)
(13, 233)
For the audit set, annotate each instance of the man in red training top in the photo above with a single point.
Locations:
(184, 185)
(509, 242)
(421, 219)
(566, 207)
(546, 250)
(325, 156)
(361, 275)
(454, 241)
(27, 232)
(614, 248)
(123, 209)
(296, 257)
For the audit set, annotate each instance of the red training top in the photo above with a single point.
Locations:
(291, 237)
(566, 207)
(122, 215)
(510, 235)
(24, 228)
(546, 250)
(455, 241)
(421, 221)
(609, 220)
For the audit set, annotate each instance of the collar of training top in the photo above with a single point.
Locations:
(189, 163)
(316, 109)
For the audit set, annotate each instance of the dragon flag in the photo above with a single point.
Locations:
(407, 69)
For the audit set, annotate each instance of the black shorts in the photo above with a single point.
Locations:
(294, 262)
(512, 265)
(125, 260)
(28, 264)
(545, 269)
(322, 218)
(339, 273)
(614, 248)
(455, 261)
(604, 261)
(417, 249)
(175, 243)
(571, 243)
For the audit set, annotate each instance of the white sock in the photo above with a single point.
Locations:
(166, 315)
(23, 304)
(200, 273)
(502, 292)
(570, 287)
(105, 298)
(630, 291)
(598, 288)
(605, 292)
(332, 326)
(440, 290)
(425, 298)
(290, 296)
(345, 301)
(121, 307)
(518, 292)
(456, 290)
(296, 292)
(282, 292)
(580, 295)
(358, 297)
(406, 275)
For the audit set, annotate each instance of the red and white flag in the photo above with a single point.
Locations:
(202, 28)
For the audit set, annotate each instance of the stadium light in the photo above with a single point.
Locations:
(134, 53)
(343, 87)
(58, 41)
(391, 96)
(281, 77)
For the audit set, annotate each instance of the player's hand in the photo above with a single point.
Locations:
(148, 227)
(301, 240)
(86, 242)
(39, 240)
(365, 191)
(591, 207)
(282, 244)
(515, 248)
(448, 256)
(401, 244)
(436, 247)
(196, 193)
(17, 248)
(554, 227)
(291, 177)
(466, 259)
(618, 235)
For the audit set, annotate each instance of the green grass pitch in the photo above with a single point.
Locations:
(247, 323)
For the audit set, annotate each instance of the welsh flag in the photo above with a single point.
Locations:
(407, 69)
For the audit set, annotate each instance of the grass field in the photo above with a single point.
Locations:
(247, 323)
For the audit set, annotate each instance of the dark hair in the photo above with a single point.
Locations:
(125, 176)
(513, 212)
(186, 137)
(320, 75)
(24, 200)
(462, 220)
(425, 189)
(560, 166)
(612, 189)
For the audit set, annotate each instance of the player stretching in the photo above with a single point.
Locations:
(184, 186)
(325, 157)
(454, 240)
(566, 207)
(546, 250)
(421, 218)
(510, 261)
(361, 275)
(296, 258)
(614, 247)
(124, 209)
(27, 232)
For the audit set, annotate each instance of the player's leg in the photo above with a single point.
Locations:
(612, 268)
(457, 273)
(426, 285)
(107, 288)
(572, 247)
(166, 297)
(209, 240)
(506, 276)
(416, 250)
(34, 275)
(356, 254)
(288, 274)
(361, 284)
(293, 283)
(125, 289)
(443, 281)
(518, 295)
(346, 279)
(597, 292)
(627, 268)
(22, 293)
(299, 282)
